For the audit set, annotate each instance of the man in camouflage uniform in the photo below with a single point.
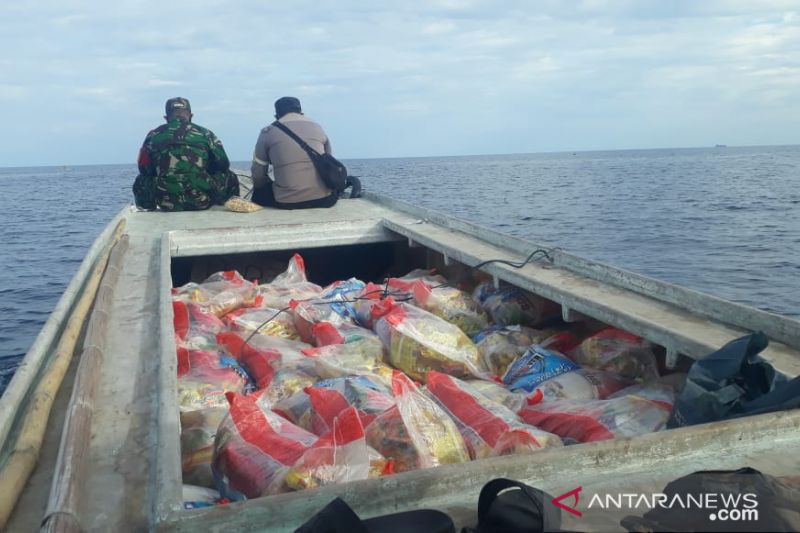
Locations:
(182, 166)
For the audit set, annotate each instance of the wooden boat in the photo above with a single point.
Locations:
(110, 458)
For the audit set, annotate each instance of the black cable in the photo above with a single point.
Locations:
(527, 260)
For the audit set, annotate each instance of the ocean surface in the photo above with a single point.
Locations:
(725, 221)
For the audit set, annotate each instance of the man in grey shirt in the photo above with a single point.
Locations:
(297, 183)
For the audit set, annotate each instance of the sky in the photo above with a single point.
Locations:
(81, 82)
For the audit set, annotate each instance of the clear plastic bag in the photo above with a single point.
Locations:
(289, 285)
(499, 394)
(451, 304)
(341, 294)
(419, 342)
(205, 376)
(508, 306)
(220, 294)
(580, 421)
(618, 352)
(415, 433)
(501, 346)
(581, 384)
(360, 358)
(195, 327)
(489, 429)
(325, 333)
(268, 321)
(311, 312)
(198, 430)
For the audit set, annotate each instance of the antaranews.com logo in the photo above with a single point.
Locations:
(720, 506)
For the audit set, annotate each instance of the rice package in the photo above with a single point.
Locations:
(500, 346)
(489, 429)
(359, 358)
(308, 313)
(509, 305)
(195, 327)
(535, 366)
(289, 285)
(198, 430)
(581, 421)
(220, 294)
(581, 384)
(416, 432)
(205, 376)
(499, 394)
(254, 449)
(267, 321)
(618, 352)
(451, 304)
(419, 342)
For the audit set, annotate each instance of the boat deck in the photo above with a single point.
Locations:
(133, 459)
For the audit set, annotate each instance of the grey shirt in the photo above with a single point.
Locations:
(296, 179)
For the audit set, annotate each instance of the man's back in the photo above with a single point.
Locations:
(296, 178)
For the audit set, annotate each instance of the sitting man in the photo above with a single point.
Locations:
(297, 183)
(182, 166)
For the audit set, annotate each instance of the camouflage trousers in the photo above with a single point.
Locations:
(184, 193)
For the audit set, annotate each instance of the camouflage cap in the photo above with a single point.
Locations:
(177, 104)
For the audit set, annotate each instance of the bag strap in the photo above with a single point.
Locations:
(496, 486)
(304, 145)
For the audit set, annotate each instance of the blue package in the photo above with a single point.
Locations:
(343, 291)
(536, 365)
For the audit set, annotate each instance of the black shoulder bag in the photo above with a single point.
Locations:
(330, 169)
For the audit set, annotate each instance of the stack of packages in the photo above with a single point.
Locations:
(288, 385)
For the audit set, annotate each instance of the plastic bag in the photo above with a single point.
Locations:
(289, 285)
(271, 322)
(489, 429)
(581, 384)
(220, 294)
(254, 448)
(580, 421)
(311, 312)
(276, 365)
(499, 394)
(360, 358)
(205, 376)
(195, 497)
(340, 294)
(402, 288)
(195, 327)
(535, 366)
(415, 433)
(501, 346)
(198, 429)
(419, 341)
(451, 304)
(508, 306)
(618, 352)
(661, 393)
(370, 304)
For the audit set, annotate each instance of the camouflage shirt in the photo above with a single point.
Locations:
(184, 166)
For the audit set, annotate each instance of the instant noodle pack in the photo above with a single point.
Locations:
(287, 385)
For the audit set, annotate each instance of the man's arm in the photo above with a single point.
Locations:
(147, 166)
(260, 167)
(218, 159)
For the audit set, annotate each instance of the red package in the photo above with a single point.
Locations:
(204, 377)
(194, 326)
(489, 429)
(618, 352)
(308, 313)
(220, 294)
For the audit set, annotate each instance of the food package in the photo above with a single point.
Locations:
(581, 384)
(536, 365)
(340, 294)
(289, 285)
(581, 421)
(371, 303)
(198, 429)
(197, 497)
(402, 288)
(499, 394)
(276, 365)
(268, 321)
(618, 352)
(509, 305)
(416, 432)
(205, 376)
(500, 346)
(315, 407)
(419, 341)
(325, 333)
(360, 358)
(220, 294)
(661, 393)
(254, 448)
(240, 205)
(451, 304)
(310, 312)
(489, 429)
(195, 327)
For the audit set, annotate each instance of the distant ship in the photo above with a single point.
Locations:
(720, 146)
